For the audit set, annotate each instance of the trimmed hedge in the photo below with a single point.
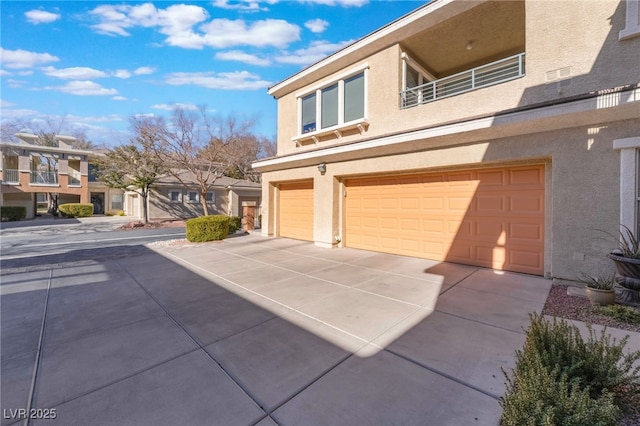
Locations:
(207, 228)
(235, 223)
(76, 210)
(12, 213)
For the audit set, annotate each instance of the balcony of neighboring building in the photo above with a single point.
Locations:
(10, 174)
(482, 47)
(44, 169)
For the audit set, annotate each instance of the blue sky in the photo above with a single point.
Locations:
(95, 64)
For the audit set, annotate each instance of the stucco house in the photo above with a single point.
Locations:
(503, 134)
(170, 199)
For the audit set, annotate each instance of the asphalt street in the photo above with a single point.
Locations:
(44, 242)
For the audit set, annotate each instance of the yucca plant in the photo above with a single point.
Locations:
(629, 245)
(600, 281)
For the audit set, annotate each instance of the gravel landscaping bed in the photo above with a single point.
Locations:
(559, 304)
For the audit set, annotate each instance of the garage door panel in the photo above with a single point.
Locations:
(295, 210)
(526, 176)
(492, 177)
(489, 217)
(526, 231)
(490, 204)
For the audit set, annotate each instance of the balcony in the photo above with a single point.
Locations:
(487, 75)
(74, 178)
(10, 176)
(44, 178)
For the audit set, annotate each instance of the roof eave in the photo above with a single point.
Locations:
(371, 40)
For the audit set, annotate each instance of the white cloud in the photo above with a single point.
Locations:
(237, 80)
(317, 25)
(24, 59)
(171, 107)
(119, 98)
(144, 70)
(4, 73)
(74, 73)
(222, 33)
(122, 74)
(243, 5)
(5, 104)
(344, 3)
(239, 56)
(83, 88)
(16, 84)
(41, 16)
(316, 51)
(117, 19)
(12, 114)
(177, 23)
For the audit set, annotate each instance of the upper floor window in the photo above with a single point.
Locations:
(334, 105)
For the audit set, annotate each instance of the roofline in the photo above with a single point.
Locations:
(42, 148)
(381, 32)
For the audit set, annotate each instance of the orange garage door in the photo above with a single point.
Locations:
(487, 217)
(295, 210)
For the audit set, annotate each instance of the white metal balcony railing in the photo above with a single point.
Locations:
(483, 76)
(44, 178)
(74, 178)
(10, 176)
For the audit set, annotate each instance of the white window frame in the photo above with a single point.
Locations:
(210, 198)
(629, 181)
(424, 76)
(195, 199)
(179, 200)
(317, 90)
(632, 23)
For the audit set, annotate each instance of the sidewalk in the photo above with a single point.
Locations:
(48, 222)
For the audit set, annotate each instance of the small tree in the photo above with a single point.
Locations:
(131, 168)
(197, 148)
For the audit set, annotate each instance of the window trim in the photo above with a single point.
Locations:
(179, 200)
(195, 200)
(632, 21)
(629, 181)
(342, 125)
(213, 197)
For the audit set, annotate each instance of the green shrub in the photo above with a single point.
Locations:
(235, 223)
(560, 378)
(621, 313)
(12, 213)
(76, 210)
(207, 228)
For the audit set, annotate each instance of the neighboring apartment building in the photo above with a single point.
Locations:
(31, 174)
(503, 134)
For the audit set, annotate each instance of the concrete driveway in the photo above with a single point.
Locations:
(261, 331)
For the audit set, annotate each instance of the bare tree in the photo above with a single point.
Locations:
(131, 168)
(46, 131)
(197, 148)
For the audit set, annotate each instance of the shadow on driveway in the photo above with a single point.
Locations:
(256, 331)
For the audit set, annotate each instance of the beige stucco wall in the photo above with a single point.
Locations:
(582, 186)
(570, 50)
(160, 206)
(20, 199)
